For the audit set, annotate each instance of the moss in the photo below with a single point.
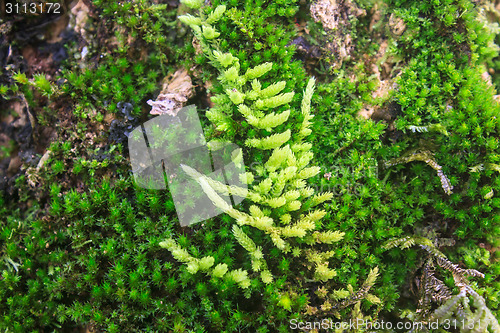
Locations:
(80, 242)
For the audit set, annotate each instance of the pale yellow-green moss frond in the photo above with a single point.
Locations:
(372, 276)
(269, 121)
(275, 101)
(206, 263)
(306, 109)
(293, 206)
(328, 237)
(309, 172)
(220, 270)
(292, 195)
(278, 241)
(275, 202)
(286, 218)
(306, 192)
(224, 59)
(235, 96)
(278, 157)
(278, 188)
(264, 186)
(182, 255)
(266, 277)
(323, 273)
(239, 276)
(190, 20)
(246, 111)
(288, 173)
(209, 32)
(306, 225)
(320, 198)
(247, 178)
(216, 14)
(231, 74)
(243, 239)
(194, 4)
(258, 71)
(256, 86)
(220, 100)
(292, 231)
(301, 147)
(273, 89)
(306, 99)
(270, 142)
(304, 160)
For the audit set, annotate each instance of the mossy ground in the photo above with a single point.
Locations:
(79, 240)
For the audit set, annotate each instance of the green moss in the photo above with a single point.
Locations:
(80, 243)
(118, 81)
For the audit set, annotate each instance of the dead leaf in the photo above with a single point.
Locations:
(176, 91)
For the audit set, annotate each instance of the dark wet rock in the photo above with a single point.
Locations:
(305, 48)
(388, 113)
(337, 16)
(126, 110)
(29, 156)
(119, 131)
